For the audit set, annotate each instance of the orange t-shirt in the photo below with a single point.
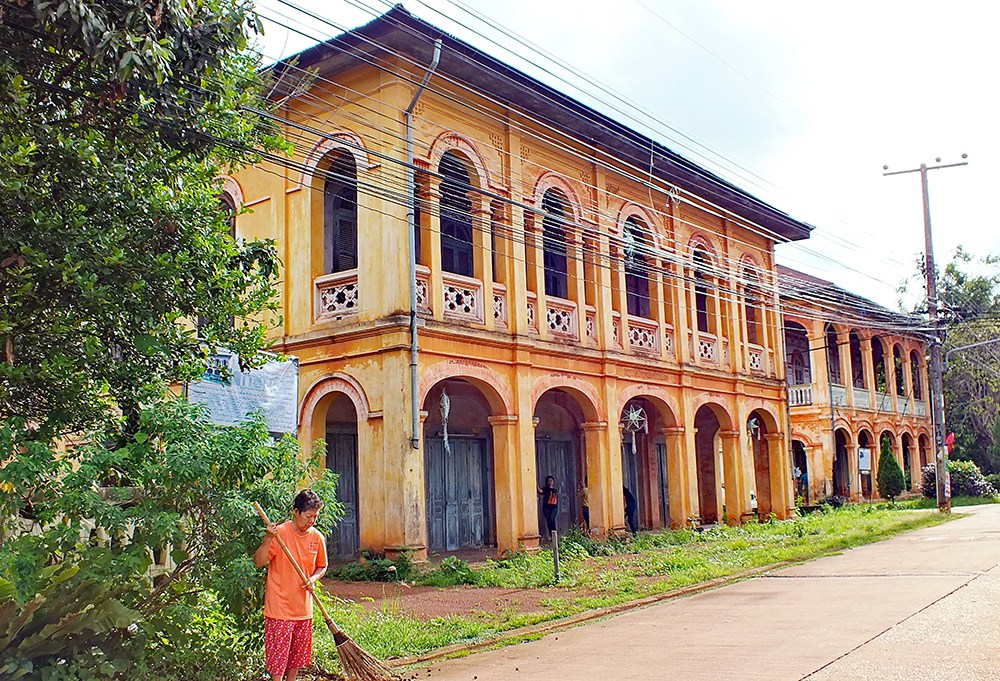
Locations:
(284, 596)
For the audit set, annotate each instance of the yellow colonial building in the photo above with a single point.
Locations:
(857, 375)
(581, 302)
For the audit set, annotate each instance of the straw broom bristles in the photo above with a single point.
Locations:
(357, 663)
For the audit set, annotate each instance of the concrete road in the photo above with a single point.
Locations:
(924, 605)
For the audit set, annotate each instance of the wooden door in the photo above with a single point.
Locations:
(555, 455)
(342, 458)
(459, 494)
(661, 466)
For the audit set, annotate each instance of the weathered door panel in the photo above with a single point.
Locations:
(459, 494)
(555, 455)
(342, 458)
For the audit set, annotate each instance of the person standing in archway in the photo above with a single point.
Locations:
(550, 503)
(631, 510)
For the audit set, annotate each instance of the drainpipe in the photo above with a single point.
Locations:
(412, 221)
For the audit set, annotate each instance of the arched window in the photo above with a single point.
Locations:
(456, 217)
(918, 392)
(636, 248)
(340, 214)
(897, 363)
(701, 285)
(833, 355)
(751, 305)
(554, 245)
(798, 367)
(878, 362)
(857, 362)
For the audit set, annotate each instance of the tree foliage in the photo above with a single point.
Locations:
(891, 481)
(969, 298)
(116, 120)
(179, 493)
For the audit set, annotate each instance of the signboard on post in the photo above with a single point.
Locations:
(864, 460)
(232, 395)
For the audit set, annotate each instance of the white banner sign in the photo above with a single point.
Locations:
(864, 460)
(272, 389)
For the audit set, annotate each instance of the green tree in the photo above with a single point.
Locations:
(969, 295)
(116, 119)
(891, 482)
(183, 488)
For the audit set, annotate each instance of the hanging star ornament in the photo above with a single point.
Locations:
(634, 419)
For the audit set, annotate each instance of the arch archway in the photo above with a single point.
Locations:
(867, 442)
(760, 425)
(716, 468)
(649, 465)
(559, 416)
(800, 470)
(841, 464)
(907, 446)
(460, 490)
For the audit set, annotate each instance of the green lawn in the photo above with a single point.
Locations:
(601, 574)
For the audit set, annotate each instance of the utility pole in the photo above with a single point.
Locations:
(937, 391)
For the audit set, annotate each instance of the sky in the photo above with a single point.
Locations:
(799, 103)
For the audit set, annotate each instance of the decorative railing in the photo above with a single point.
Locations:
(919, 407)
(423, 289)
(755, 358)
(500, 314)
(643, 335)
(463, 297)
(903, 404)
(883, 401)
(532, 299)
(800, 395)
(591, 313)
(862, 399)
(707, 350)
(668, 340)
(336, 295)
(838, 394)
(561, 318)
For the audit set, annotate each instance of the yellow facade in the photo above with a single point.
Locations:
(560, 288)
(857, 374)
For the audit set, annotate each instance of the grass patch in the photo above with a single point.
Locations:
(600, 574)
(924, 502)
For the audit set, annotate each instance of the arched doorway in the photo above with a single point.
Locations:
(841, 465)
(758, 426)
(558, 453)
(907, 441)
(800, 470)
(458, 468)
(342, 458)
(923, 442)
(646, 466)
(865, 442)
(713, 497)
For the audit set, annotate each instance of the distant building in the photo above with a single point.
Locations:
(857, 374)
(591, 305)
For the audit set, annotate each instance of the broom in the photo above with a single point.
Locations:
(358, 664)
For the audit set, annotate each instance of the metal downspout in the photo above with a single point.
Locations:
(412, 221)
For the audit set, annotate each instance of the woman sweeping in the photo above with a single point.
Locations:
(288, 609)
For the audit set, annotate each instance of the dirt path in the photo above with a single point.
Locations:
(427, 602)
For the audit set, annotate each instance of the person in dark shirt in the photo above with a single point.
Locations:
(550, 503)
(631, 510)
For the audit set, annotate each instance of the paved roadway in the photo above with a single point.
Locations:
(924, 605)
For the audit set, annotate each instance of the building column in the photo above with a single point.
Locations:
(508, 492)
(679, 486)
(599, 476)
(780, 469)
(868, 366)
(737, 496)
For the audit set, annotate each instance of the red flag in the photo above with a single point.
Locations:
(949, 442)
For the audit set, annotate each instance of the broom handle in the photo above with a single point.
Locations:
(298, 568)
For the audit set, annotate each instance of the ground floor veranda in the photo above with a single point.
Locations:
(828, 462)
(690, 447)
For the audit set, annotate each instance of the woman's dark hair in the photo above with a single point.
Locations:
(307, 500)
(549, 477)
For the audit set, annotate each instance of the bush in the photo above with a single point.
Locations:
(891, 482)
(966, 480)
(451, 572)
(375, 567)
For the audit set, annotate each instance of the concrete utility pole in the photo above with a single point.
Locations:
(937, 390)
